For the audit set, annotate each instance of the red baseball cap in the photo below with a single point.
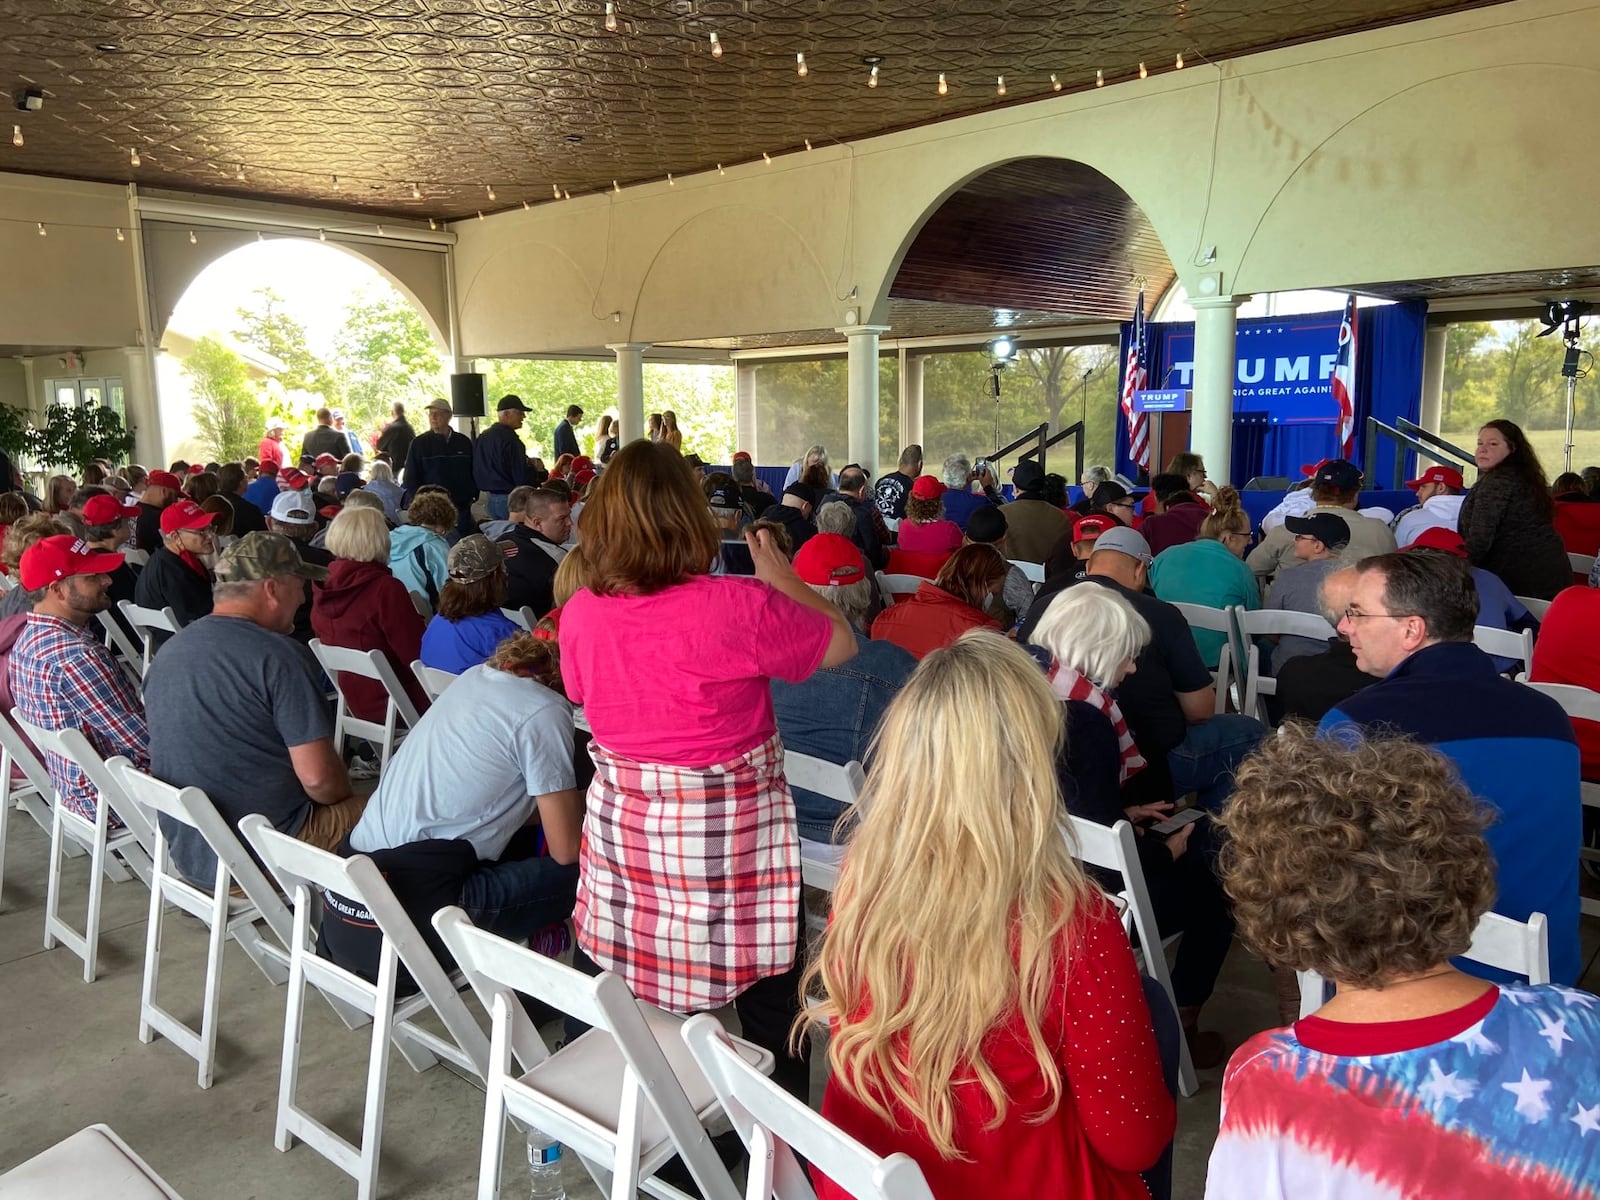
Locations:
(293, 480)
(326, 460)
(1086, 529)
(185, 514)
(741, 456)
(1437, 537)
(103, 510)
(829, 560)
(582, 463)
(926, 487)
(197, 468)
(164, 479)
(1448, 476)
(581, 478)
(53, 558)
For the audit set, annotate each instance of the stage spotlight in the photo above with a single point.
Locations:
(1002, 350)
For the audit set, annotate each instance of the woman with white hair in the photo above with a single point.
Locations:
(986, 1015)
(380, 482)
(1093, 636)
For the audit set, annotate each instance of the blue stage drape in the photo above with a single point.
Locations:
(1388, 385)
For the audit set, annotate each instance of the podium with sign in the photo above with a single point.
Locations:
(1166, 412)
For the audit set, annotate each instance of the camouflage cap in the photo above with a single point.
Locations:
(264, 556)
(473, 558)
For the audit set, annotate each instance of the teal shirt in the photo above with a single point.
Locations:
(1205, 572)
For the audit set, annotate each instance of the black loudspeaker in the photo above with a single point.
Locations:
(467, 395)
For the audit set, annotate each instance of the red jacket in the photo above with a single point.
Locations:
(1175, 527)
(928, 621)
(1578, 523)
(270, 451)
(1568, 652)
(363, 606)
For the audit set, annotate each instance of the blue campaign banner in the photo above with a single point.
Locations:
(1149, 400)
(1284, 367)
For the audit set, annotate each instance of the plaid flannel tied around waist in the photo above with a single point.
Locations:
(689, 878)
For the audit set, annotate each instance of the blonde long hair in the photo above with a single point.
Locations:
(956, 892)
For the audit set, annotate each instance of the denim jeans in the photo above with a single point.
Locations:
(516, 898)
(499, 505)
(1204, 761)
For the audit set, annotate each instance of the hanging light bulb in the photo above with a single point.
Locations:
(872, 76)
(193, 241)
(380, 230)
(120, 238)
(555, 191)
(808, 143)
(526, 207)
(322, 235)
(335, 179)
(42, 232)
(16, 135)
(566, 195)
(259, 236)
(1177, 63)
(944, 88)
(767, 157)
(1000, 86)
(133, 156)
(480, 214)
(720, 171)
(416, 192)
(432, 224)
(616, 187)
(1143, 72)
(800, 67)
(671, 182)
(1055, 82)
(1099, 79)
(716, 47)
(611, 17)
(238, 172)
(489, 190)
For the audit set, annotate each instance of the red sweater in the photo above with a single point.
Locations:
(1567, 651)
(1115, 1115)
(363, 606)
(927, 621)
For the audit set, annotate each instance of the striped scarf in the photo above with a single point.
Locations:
(1068, 684)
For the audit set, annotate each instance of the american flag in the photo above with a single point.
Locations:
(1344, 379)
(1134, 379)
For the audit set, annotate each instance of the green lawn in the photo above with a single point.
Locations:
(1548, 445)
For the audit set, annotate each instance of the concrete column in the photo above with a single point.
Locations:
(1216, 326)
(139, 390)
(630, 389)
(911, 398)
(1433, 345)
(862, 421)
(744, 410)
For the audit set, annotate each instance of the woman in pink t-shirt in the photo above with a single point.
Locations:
(925, 529)
(689, 877)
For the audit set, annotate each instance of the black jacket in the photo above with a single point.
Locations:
(1311, 684)
(325, 439)
(866, 532)
(445, 459)
(1507, 533)
(530, 569)
(566, 439)
(247, 518)
(168, 582)
(798, 525)
(395, 441)
(147, 527)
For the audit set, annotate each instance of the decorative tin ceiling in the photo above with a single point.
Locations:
(443, 108)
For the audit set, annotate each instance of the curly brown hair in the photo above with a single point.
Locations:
(432, 510)
(532, 657)
(921, 512)
(1362, 859)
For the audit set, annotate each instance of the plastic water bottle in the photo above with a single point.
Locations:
(544, 1167)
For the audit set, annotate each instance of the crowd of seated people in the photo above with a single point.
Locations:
(705, 627)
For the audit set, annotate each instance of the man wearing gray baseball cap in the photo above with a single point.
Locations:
(1169, 700)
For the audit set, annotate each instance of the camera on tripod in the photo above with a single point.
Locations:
(1567, 316)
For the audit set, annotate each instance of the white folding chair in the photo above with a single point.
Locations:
(774, 1125)
(1504, 643)
(1113, 849)
(1034, 571)
(32, 794)
(92, 1162)
(1271, 622)
(302, 871)
(625, 1097)
(1521, 947)
(1580, 704)
(132, 842)
(1582, 564)
(370, 664)
(147, 622)
(433, 680)
(890, 586)
(223, 915)
(524, 616)
(819, 864)
(129, 656)
(7, 582)
(1535, 606)
(1216, 620)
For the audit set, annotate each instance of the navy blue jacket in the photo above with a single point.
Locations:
(499, 460)
(1515, 750)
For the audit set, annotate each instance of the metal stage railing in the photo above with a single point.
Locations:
(1411, 436)
(1041, 435)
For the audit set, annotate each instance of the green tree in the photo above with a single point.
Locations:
(1465, 364)
(383, 354)
(227, 405)
(264, 324)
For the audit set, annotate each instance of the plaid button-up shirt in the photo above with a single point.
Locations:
(62, 678)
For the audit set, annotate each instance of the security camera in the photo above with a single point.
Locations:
(28, 100)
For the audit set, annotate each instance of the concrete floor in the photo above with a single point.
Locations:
(70, 1055)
